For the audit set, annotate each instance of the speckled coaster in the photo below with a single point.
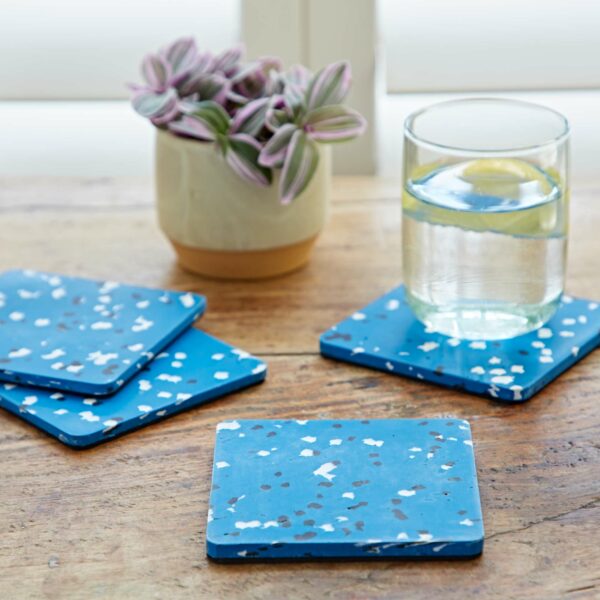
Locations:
(385, 335)
(344, 489)
(81, 335)
(194, 369)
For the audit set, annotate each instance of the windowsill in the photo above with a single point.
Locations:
(103, 139)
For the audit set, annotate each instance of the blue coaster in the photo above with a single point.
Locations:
(194, 369)
(385, 335)
(344, 489)
(81, 335)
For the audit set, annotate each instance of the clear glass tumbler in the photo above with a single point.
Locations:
(485, 216)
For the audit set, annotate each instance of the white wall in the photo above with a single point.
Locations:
(89, 49)
(449, 45)
(74, 139)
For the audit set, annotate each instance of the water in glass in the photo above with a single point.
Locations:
(484, 246)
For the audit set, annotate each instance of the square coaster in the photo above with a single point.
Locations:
(194, 369)
(385, 335)
(344, 489)
(81, 335)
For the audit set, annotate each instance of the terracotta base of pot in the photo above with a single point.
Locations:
(247, 264)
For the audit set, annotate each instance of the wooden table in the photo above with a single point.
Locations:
(127, 519)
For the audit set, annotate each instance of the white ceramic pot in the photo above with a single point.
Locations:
(223, 226)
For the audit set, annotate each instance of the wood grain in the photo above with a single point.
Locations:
(127, 519)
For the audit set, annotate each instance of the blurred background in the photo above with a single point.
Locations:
(64, 104)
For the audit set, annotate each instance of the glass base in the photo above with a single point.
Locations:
(480, 321)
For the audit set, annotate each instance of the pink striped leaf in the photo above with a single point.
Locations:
(248, 139)
(171, 113)
(182, 56)
(237, 98)
(275, 118)
(250, 118)
(256, 79)
(227, 62)
(274, 151)
(213, 115)
(334, 123)
(205, 62)
(294, 98)
(300, 164)
(278, 112)
(329, 86)
(157, 72)
(242, 156)
(207, 86)
(193, 126)
(151, 105)
(298, 75)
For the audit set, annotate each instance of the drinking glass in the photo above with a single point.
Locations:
(485, 216)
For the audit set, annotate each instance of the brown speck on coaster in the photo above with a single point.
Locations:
(360, 483)
(305, 536)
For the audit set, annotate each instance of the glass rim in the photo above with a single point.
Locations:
(500, 152)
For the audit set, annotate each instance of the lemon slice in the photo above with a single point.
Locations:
(502, 178)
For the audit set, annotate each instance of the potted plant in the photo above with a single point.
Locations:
(242, 168)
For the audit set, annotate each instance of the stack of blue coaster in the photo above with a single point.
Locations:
(106, 358)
